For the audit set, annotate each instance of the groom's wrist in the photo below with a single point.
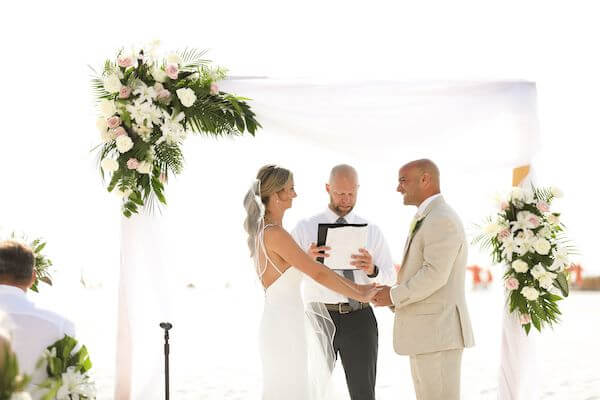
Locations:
(375, 272)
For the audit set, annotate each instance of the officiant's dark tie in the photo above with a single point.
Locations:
(349, 274)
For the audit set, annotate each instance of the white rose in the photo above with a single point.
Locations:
(173, 59)
(553, 219)
(124, 144)
(187, 96)
(538, 271)
(102, 125)
(542, 246)
(112, 83)
(109, 165)
(108, 136)
(493, 229)
(159, 75)
(530, 293)
(520, 266)
(516, 194)
(107, 108)
(556, 192)
(144, 167)
(547, 281)
(20, 396)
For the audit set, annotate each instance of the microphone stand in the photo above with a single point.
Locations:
(166, 326)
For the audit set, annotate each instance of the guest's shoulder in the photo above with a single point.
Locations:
(60, 321)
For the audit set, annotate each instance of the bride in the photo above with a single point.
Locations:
(295, 339)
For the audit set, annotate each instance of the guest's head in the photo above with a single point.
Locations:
(342, 189)
(276, 190)
(16, 265)
(418, 180)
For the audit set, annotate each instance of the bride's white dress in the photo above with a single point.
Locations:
(283, 340)
(295, 340)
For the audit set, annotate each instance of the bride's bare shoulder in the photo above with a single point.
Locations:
(275, 233)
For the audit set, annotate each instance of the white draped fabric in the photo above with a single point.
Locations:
(518, 378)
(308, 126)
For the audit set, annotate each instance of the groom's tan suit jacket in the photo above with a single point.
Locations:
(429, 297)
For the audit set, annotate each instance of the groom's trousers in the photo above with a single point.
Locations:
(436, 376)
(356, 342)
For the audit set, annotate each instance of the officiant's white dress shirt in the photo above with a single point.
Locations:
(33, 329)
(306, 233)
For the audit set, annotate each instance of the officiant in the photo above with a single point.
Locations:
(356, 335)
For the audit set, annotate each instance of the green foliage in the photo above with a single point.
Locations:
(212, 114)
(11, 381)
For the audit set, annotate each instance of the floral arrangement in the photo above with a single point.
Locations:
(12, 384)
(67, 367)
(530, 240)
(41, 263)
(148, 106)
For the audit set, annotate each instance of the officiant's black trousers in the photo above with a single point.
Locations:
(356, 342)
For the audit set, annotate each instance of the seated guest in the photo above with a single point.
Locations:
(32, 329)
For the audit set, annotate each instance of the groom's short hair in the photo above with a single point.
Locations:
(16, 262)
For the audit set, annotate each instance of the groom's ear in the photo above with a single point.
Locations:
(327, 188)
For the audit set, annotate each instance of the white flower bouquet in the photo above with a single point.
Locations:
(147, 107)
(529, 238)
(67, 366)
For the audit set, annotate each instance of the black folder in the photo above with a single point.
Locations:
(322, 235)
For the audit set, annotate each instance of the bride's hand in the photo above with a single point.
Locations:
(368, 292)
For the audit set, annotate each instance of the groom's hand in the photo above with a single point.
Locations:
(315, 251)
(382, 298)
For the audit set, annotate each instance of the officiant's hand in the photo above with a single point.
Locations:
(364, 261)
(315, 251)
(382, 298)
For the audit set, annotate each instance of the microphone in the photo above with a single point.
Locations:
(166, 325)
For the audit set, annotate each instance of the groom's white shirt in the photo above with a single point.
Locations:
(32, 329)
(306, 232)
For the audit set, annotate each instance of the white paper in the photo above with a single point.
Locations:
(344, 241)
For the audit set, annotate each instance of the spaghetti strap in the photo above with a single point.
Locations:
(264, 250)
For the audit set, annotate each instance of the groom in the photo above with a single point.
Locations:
(356, 334)
(432, 323)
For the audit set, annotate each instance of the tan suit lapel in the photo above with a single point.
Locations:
(411, 236)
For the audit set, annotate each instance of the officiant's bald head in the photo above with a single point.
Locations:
(418, 180)
(342, 189)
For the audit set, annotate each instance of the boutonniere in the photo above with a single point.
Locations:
(416, 223)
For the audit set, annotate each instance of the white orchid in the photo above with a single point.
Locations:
(172, 130)
(561, 259)
(145, 92)
(525, 220)
(74, 385)
(187, 96)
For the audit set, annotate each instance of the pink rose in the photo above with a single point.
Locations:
(172, 71)
(162, 178)
(132, 163)
(164, 94)
(543, 206)
(125, 61)
(511, 283)
(534, 221)
(124, 92)
(504, 233)
(158, 87)
(525, 319)
(119, 131)
(503, 205)
(113, 122)
(214, 89)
